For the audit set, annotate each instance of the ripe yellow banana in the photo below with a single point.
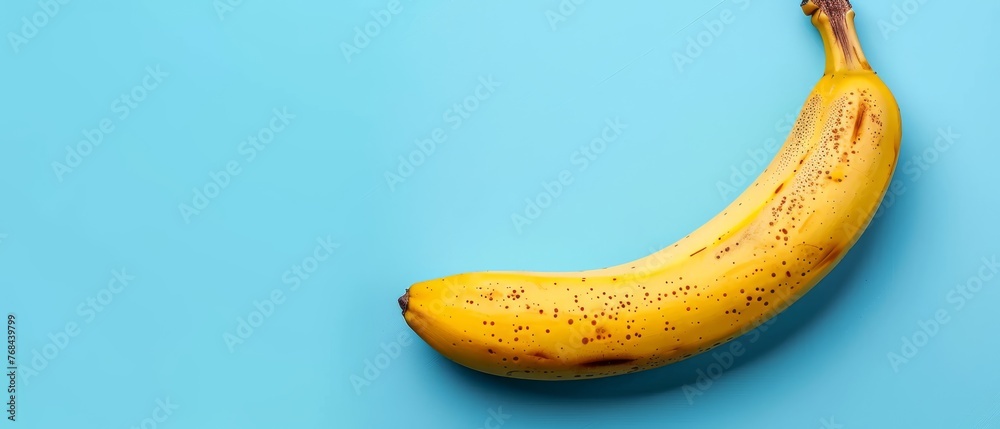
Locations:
(757, 257)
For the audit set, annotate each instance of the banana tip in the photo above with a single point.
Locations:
(404, 301)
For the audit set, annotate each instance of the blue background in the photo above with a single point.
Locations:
(198, 278)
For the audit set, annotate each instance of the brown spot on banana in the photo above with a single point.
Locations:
(607, 362)
(540, 355)
(859, 121)
(830, 256)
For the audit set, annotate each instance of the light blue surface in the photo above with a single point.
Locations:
(161, 341)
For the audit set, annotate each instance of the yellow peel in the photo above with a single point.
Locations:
(764, 251)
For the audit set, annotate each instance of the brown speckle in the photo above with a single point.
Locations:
(607, 362)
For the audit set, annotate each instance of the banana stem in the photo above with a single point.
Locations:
(835, 21)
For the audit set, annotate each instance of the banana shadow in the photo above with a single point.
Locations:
(813, 306)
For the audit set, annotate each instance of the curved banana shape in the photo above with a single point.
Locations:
(764, 251)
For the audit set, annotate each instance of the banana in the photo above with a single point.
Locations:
(779, 238)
